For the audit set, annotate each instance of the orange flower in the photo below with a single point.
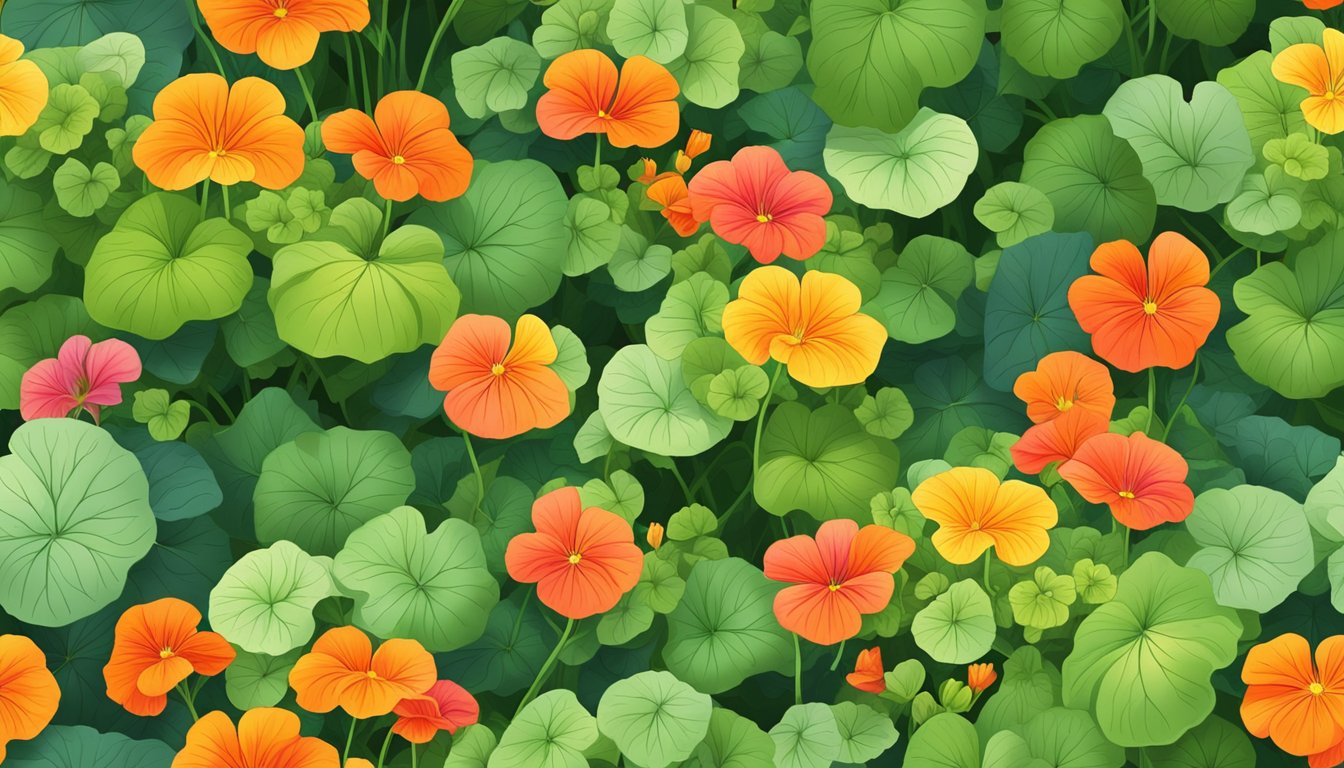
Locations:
(869, 674)
(446, 706)
(698, 144)
(23, 89)
(1062, 381)
(842, 574)
(670, 193)
(655, 535)
(1141, 316)
(980, 676)
(265, 738)
(283, 33)
(204, 129)
(974, 511)
(582, 560)
(358, 762)
(157, 647)
(1141, 479)
(1320, 70)
(813, 326)
(406, 149)
(650, 173)
(28, 691)
(1056, 440)
(494, 391)
(1321, 5)
(1298, 704)
(584, 98)
(342, 670)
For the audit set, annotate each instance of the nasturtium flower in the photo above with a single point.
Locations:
(869, 674)
(342, 670)
(813, 326)
(1321, 5)
(837, 577)
(754, 200)
(446, 706)
(670, 195)
(405, 149)
(495, 391)
(980, 676)
(23, 89)
(584, 96)
(206, 129)
(975, 511)
(1320, 70)
(82, 376)
(1056, 440)
(1291, 699)
(283, 33)
(1062, 382)
(157, 646)
(1141, 479)
(265, 737)
(1146, 315)
(29, 694)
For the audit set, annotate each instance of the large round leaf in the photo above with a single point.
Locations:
(74, 517)
(79, 746)
(264, 602)
(26, 245)
(733, 741)
(648, 28)
(708, 67)
(692, 309)
(654, 718)
(946, 740)
(34, 331)
(1030, 685)
(432, 588)
(1255, 545)
(958, 626)
(806, 737)
(646, 404)
(552, 731)
(1069, 738)
(1055, 38)
(918, 296)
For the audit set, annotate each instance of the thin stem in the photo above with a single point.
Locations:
(223, 404)
(1152, 28)
(838, 653)
(307, 92)
(518, 620)
(760, 422)
(200, 33)
(187, 699)
(685, 489)
(204, 411)
(989, 587)
(597, 152)
(1152, 399)
(401, 46)
(475, 468)
(382, 753)
(1125, 549)
(1219, 266)
(412, 743)
(349, 739)
(545, 668)
(797, 671)
(383, 39)
(746, 488)
(1194, 376)
(1166, 49)
(205, 197)
(1203, 241)
(350, 72)
(228, 211)
(364, 75)
(447, 19)
(387, 217)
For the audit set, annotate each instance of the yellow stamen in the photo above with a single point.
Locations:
(1316, 689)
(1150, 307)
(574, 558)
(281, 13)
(764, 217)
(497, 369)
(1126, 494)
(834, 587)
(1063, 405)
(1329, 95)
(166, 653)
(372, 675)
(399, 160)
(602, 113)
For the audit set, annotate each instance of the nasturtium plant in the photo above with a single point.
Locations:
(654, 718)
(1057, 39)
(1255, 544)
(958, 626)
(645, 402)
(264, 602)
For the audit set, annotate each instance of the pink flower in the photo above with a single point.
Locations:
(756, 201)
(82, 375)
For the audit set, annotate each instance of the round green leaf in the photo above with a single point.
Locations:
(264, 602)
(1214, 743)
(164, 419)
(654, 718)
(1030, 685)
(646, 404)
(1043, 601)
(494, 77)
(26, 246)
(865, 733)
(552, 731)
(944, 741)
(1055, 38)
(1211, 22)
(648, 28)
(737, 393)
(691, 310)
(1014, 212)
(918, 296)
(958, 626)
(1255, 545)
(806, 737)
(888, 414)
(1269, 202)
(120, 53)
(569, 25)
(771, 61)
(1069, 738)
(734, 741)
(64, 746)
(259, 680)
(1270, 108)
(81, 190)
(707, 69)
(471, 747)
(636, 265)
(593, 236)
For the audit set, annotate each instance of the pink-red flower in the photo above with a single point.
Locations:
(1141, 479)
(83, 375)
(446, 706)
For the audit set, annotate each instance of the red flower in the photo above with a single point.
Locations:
(869, 674)
(980, 676)
(82, 375)
(446, 706)
(1056, 440)
(1141, 479)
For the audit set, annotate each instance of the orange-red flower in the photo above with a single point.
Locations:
(23, 89)
(974, 512)
(1141, 479)
(1298, 704)
(205, 129)
(756, 201)
(869, 674)
(812, 325)
(265, 738)
(343, 671)
(446, 706)
(669, 192)
(980, 676)
(581, 559)
(1145, 315)
(406, 149)
(283, 33)
(1321, 5)
(584, 97)
(1062, 382)
(28, 691)
(837, 577)
(157, 646)
(1320, 70)
(1056, 440)
(494, 391)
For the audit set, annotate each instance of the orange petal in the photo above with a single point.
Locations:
(350, 131)
(581, 84)
(23, 92)
(644, 112)
(879, 549)
(256, 129)
(406, 663)
(211, 742)
(473, 345)
(29, 694)
(161, 677)
(208, 653)
(768, 304)
(815, 612)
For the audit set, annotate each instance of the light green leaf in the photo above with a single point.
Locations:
(944, 741)
(1014, 212)
(67, 119)
(1214, 743)
(494, 77)
(593, 236)
(918, 296)
(654, 718)
(570, 25)
(865, 733)
(164, 419)
(34, 331)
(1043, 602)
(1055, 38)
(264, 602)
(552, 731)
(1030, 685)
(623, 495)
(636, 265)
(771, 62)
(1270, 108)
(259, 680)
(646, 404)
(737, 393)
(887, 415)
(27, 249)
(1269, 202)
(1211, 22)
(958, 626)
(82, 191)
(1255, 545)
(806, 737)
(648, 28)
(1069, 738)
(691, 310)
(734, 741)
(708, 69)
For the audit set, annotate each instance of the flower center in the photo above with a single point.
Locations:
(575, 557)
(399, 160)
(1316, 689)
(603, 114)
(281, 13)
(1126, 494)
(1329, 95)
(497, 369)
(372, 675)
(764, 217)
(1063, 405)
(833, 587)
(221, 152)
(166, 653)
(1149, 307)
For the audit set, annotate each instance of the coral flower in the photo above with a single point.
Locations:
(205, 129)
(23, 89)
(813, 326)
(446, 706)
(343, 670)
(869, 674)
(1298, 704)
(1141, 316)
(581, 559)
(842, 574)
(29, 694)
(974, 511)
(83, 375)
(670, 193)
(266, 737)
(1063, 381)
(1320, 70)
(980, 676)
(283, 33)
(157, 646)
(756, 201)
(1141, 479)
(1056, 440)
(494, 391)
(406, 149)
(584, 98)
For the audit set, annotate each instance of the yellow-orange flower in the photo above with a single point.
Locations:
(1320, 70)
(28, 691)
(974, 512)
(23, 89)
(283, 33)
(343, 670)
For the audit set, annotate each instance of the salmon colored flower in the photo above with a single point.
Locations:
(82, 376)
(446, 706)
(1297, 703)
(205, 129)
(283, 33)
(669, 192)
(584, 97)
(29, 694)
(1056, 440)
(813, 326)
(266, 737)
(1141, 479)
(581, 559)
(756, 201)
(342, 670)
(1063, 381)
(156, 647)
(494, 391)
(406, 149)
(1145, 315)
(980, 676)
(975, 511)
(869, 674)
(837, 577)
(23, 89)
(655, 535)
(1320, 70)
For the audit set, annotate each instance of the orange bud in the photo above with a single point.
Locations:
(655, 535)
(650, 171)
(980, 676)
(697, 144)
(682, 162)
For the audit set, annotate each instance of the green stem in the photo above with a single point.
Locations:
(597, 153)
(545, 668)
(737, 502)
(1125, 548)
(204, 411)
(387, 217)
(205, 197)
(447, 19)
(476, 469)
(188, 699)
(1219, 266)
(307, 92)
(760, 421)
(1194, 376)
(1166, 50)
(1204, 242)
(797, 671)
(364, 75)
(412, 754)
(382, 753)
(349, 739)
(1152, 400)
(518, 620)
(228, 211)
(685, 489)
(838, 653)
(350, 72)
(223, 404)
(989, 587)
(405, 73)
(1152, 28)
(200, 33)
(383, 39)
